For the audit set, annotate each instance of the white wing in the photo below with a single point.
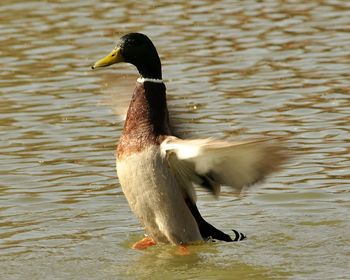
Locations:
(214, 163)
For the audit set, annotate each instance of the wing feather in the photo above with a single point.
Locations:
(214, 163)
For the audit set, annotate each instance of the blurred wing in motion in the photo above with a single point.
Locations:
(214, 163)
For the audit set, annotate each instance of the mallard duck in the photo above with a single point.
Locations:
(158, 171)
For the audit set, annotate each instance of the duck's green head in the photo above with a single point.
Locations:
(137, 49)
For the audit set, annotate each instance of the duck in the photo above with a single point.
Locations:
(159, 172)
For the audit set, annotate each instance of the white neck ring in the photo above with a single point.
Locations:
(142, 80)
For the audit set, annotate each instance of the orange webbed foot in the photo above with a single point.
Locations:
(182, 250)
(144, 243)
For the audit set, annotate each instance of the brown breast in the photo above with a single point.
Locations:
(147, 119)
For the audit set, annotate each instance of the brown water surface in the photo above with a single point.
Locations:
(234, 70)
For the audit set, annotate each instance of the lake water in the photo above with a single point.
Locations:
(234, 70)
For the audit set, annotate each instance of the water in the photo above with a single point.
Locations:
(234, 70)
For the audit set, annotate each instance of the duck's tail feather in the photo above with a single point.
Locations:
(207, 230)
(239, 236)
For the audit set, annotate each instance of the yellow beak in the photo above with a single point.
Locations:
(114, 56)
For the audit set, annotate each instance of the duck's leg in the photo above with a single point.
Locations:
(144, 243)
